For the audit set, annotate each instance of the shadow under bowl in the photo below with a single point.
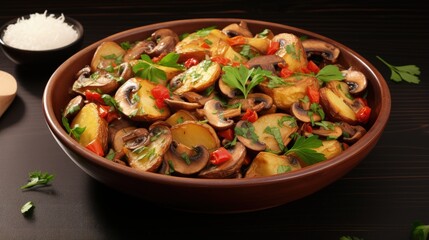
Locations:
(50, 56)
(215, 195)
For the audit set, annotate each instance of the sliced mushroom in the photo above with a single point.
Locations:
(124, 97)
(141, 47)
(266, 62)
(291, 50)
(218, 116)
(150, 157)
(186, 160)
(304, 115)
(235, 29)
(227, 90)
(352, 133)
(194, 97)
(229, 168)
(245, 133)
(319, 47)
(165, 40)
(328, 130)
(177, 103)
(135, 100)
(100, 82)
(73, 107)
(254, 101)
(356, 80)
(136, 139)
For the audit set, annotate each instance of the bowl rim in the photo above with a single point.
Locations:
(69, 20)
(367, 141)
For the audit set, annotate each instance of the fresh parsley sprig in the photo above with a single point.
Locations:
(304, 148)
(408, 73)
(27, 207)
(76, 131)
(38, 178)
(242, 78)
(147, 69)
(420, 231)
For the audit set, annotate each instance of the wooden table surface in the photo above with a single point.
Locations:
(379, 199)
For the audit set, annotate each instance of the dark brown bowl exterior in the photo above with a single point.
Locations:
(214, 195)
(57, 55)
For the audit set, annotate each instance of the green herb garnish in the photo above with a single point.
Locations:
(76, 131)
(38, 178)
(242, 78)
(329, 73)
(25, 209)
(419, 231)
(304, 148)
(408, 73)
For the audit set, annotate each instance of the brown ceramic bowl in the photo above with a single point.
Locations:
(219, 195)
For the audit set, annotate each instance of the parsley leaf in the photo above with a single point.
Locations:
(329, 73)
(408, 73)
(27, 207)
(38, 178)
(275, 132)
(76, 131)
(304, 148)
(238, 77)
(420, 231)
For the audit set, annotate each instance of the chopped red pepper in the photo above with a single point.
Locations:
(191, 62)
(363, 114)
(237, 40)
(96, 147)
(250, 115)
(227, 134)
(157, 59)
(285, 72)
(205, 45)
(313, 94)
(220, 60)
(220, 156)
(160, 93)
(273, 47)
(313, 67)
(93, 96)
(308, 128)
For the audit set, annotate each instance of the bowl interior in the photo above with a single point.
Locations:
(56, 96)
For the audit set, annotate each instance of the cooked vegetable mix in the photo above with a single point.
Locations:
(218, 103)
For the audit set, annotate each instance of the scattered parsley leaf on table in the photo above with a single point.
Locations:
(27, 207)
(38, 178)
(420, 231)
(408, 73)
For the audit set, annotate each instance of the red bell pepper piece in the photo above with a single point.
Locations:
(237, 40)
(363, 114)
(313, 94)
(227, 134)
(160, 93)
(191, 62)
(313, 67)
(220, 156)
(285, 72)
(220, 60)
(93, 96)
(273, 47)
(96, 147)
(250, 115)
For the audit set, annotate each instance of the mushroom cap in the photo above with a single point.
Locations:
(325, 49)
(186, 160)
(213, 111)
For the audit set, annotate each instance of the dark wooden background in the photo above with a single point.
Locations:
(379, 199)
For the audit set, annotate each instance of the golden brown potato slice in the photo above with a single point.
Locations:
(180, 117)
(330, 148)
(285, 95)
(199, 77)
(96, 129)
(193, 133)
(136, 101)
(105, 55)
(149, 158)
(281, 122)
(292, 51)
(267, 164)
(336, 107)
